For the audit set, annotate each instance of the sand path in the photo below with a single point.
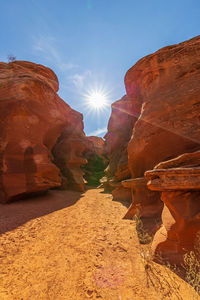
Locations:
(63, 246)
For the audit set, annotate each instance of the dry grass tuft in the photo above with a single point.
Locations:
(143, 236)
(165, 278)
(191, 266)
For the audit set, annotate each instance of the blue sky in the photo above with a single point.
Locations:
(92, 43)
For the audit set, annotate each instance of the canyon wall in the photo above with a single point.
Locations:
(124, 114)
(165, 86)
(34, 121)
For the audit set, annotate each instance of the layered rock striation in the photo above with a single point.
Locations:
(179, 181)
(165, 88)
(33, 120)
(166, 84)
(124, 114)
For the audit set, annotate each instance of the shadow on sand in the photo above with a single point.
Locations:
(17, 213)
(125, 203)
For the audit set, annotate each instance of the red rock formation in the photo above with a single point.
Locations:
(166, 84)
(124, 115)
(33, 117)
(145, 204)
(68, 154)
(179, 181)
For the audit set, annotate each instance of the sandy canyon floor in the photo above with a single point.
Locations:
(70, 246)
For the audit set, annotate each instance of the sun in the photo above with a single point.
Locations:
(97, 100)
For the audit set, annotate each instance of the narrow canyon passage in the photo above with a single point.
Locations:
(70, 246)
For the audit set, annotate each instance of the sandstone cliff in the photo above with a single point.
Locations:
(165, 86)
(34, 119)
(124, 115)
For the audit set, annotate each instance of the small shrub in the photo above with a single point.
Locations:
(192, 270)
(163, 279)
(165, 286)
(11, 58)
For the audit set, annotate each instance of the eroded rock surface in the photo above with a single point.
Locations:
(146, 204)
(166, 83)
(124, 115)
(163, 97)
(69, 156)
(33, 117)
(179, 181)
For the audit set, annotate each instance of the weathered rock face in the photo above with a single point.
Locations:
(69, 155)
(163, 97)
(96, 160)
(146, 204)
(124, 115)
(166, 84)
(33, 117)
(179, 181)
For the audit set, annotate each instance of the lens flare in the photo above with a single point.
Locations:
(97, 100)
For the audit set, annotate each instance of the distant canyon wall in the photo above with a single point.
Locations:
(96, 161)
(156, 121)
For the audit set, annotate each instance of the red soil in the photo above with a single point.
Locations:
(63, 246)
